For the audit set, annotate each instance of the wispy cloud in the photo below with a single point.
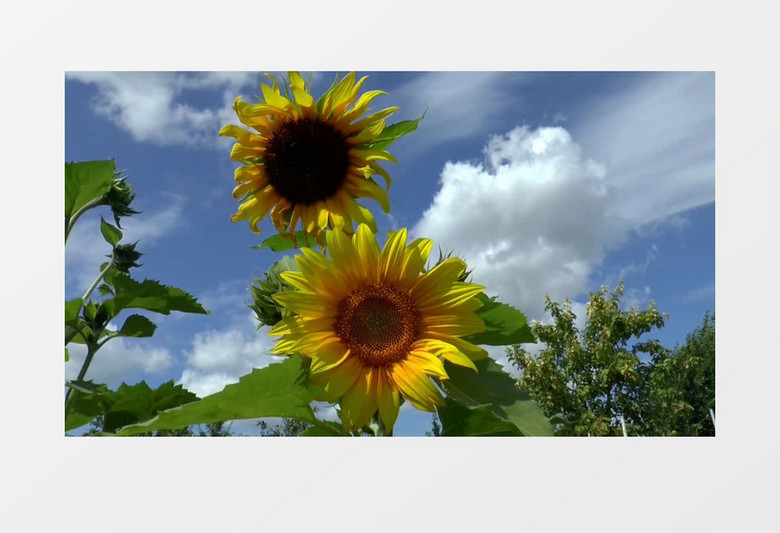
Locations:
(151, 108)
(700, 293)
(459, 104)
(657, 141)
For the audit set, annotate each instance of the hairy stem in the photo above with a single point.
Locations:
(100, 277)
(69, 223)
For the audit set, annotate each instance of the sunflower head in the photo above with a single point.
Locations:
(376, 324)
(305, 161)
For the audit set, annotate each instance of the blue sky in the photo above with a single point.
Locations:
(546, 183)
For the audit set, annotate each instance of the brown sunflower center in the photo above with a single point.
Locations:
(378, 323)
(306, 160)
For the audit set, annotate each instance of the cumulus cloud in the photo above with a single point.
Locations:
(532, 220)
(220, 357)
(119, 360)
(150, 106)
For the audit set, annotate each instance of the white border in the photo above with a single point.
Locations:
(726, 483)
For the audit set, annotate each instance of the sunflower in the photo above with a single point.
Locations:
(309, 161)
(375, 325)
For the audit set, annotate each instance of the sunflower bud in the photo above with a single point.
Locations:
(119, 198)
(125, 257)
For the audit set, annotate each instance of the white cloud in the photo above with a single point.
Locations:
(118, 360)
(533, 220)
(218, 358)
(657, 140)
(149, 106)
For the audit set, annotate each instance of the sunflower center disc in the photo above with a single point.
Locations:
(378, 323)
(306, 160)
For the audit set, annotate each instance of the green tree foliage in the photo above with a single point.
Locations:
(585, 381)
(289, 427)
(588, 382)
(681, 389)
(215, 429)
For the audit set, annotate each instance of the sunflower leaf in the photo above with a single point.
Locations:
(280, 243)
(111, 234)
(278, 390)
(133, 404)
(460, 420)
(504, 325)
(150, 295)
(72, 308)
(394, 132)
(92, 399)
(492, 387)
(137, 326)
(86, 181)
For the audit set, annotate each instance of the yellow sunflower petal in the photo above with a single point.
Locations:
(445, 297)
(390, 262)
(416, 387)
(337, 380)
(273, 98)
(244, 153)
(456, 324)
(427, 363)
(475, 353)
(438, 277)
(415, 258)
(360, 402)
(328, 357)
(305, 304)
(368, 189)
(388, 399)
(368, 251)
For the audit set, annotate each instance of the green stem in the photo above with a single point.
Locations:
(71, 394)
(84, 208)
(100, 277)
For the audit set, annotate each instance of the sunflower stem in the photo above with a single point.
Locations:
(377, 427)
(100, 277)
(69, 223)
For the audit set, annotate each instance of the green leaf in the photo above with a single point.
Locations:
(67, 356)
(493, 387)
(92, 399)
(137, 326)
(72, 308)
(86, 181)
(133, 404)
(278, 390)
(394, 132)
(460, 420)
(278, 243)
(504, 325)
(333, 429)
(150, 295)
(111, 234)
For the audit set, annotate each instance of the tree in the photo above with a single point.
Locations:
(587, 382)
(682, 385)
(289, 427)
(215, 429)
